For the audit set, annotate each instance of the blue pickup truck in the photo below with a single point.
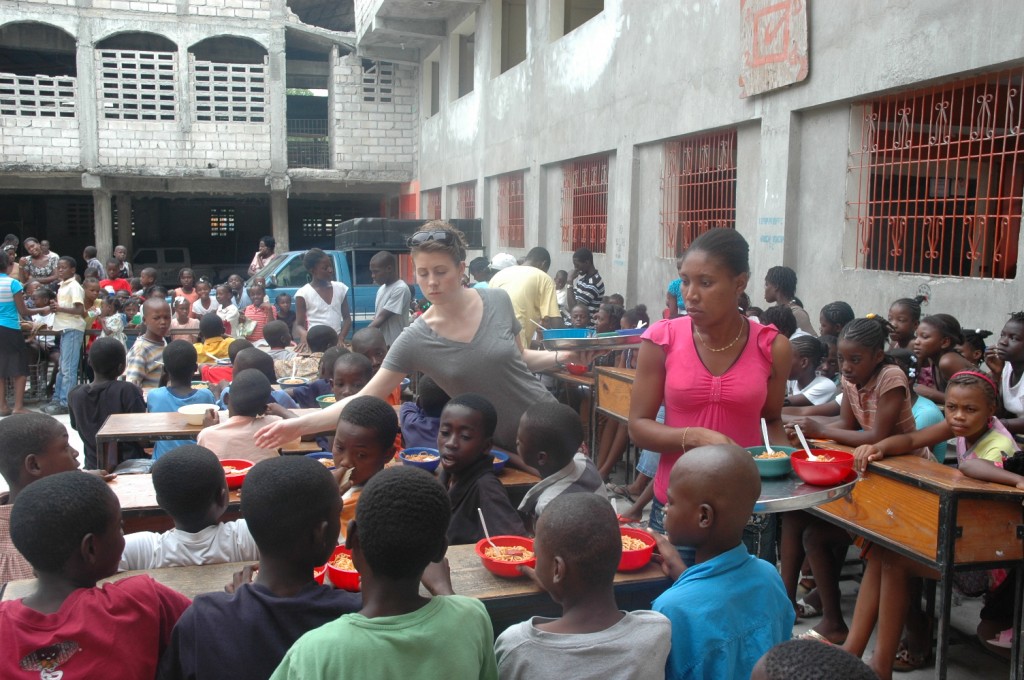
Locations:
(357, 241)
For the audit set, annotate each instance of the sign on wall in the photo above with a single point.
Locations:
(774, 38)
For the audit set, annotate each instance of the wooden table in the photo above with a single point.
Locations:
(938, 517)
(134, 427)
(614, 388)
(508, 601)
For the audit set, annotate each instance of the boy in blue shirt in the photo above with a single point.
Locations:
(730, 607)
(180, 364)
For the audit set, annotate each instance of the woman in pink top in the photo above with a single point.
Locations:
(717, 372)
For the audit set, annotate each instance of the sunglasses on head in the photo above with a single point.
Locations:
(421, 237)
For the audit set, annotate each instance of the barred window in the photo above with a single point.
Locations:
(378, 81)
(698, 189)
(79, 215)
(585, 204)
(937, 176)
(44, 96)
(138, 85)
(511, 210)
(432, 204)
(465, 200)
(222, 222)
(235, 93)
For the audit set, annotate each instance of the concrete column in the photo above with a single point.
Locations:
(332, 108)
(767, 236)
(124, 222)
(87, 102)
(103, 220)
(278, 104)
(279, 219)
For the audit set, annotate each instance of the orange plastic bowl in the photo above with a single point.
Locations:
(632, 560)
(822, 473)
(505, 569)
(235, 479)
(342, 578)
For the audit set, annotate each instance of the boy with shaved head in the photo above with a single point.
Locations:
(729, 608)
(391, 309)
(145, 363)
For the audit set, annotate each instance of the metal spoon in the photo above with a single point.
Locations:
(803, 441)
(487, 534)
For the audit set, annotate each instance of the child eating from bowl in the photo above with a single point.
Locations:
(305, 395)
(68, 526)
(215, 341)
(399, 530)
(467, 472)
(190, 486)
(247, 408)
(730, 607)
(421, 419)
(549, 440)
(179, 366)
(364, 442)
(245, 634)
(578, 546)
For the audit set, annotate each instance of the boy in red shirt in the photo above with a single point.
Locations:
(114, 282)
(68, 526)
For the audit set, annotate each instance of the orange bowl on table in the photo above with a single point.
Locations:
(341, 571)
(520, 555)
(235, 470)
(836, 466)
(635, 557)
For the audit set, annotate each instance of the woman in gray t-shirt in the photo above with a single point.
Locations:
(468, 341)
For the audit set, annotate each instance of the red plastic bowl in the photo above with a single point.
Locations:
(821, 473)
(577, 369)
(505, 569)
(235, 480)
(319, 573)
(636, 559)
(342, 578)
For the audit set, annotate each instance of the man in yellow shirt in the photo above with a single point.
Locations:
(531, 289)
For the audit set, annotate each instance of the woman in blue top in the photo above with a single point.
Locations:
(13, 355)
(674, 296)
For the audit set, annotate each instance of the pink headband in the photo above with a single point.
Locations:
(979, 375)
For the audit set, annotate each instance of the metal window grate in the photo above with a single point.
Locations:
(698, 188)
(466, 200)
(139, 85)
(308, 143)
(585, 204)
(43, 96)
(222, 221)
(432, 204)
(939, 175)
(511, 210)
(378, 81)
(235, 93)
(79, 216)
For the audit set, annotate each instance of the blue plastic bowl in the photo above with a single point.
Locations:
(322, 455)
(428, 465)
(500, 459)
(631, 331)
(772, 467)
(567, 333)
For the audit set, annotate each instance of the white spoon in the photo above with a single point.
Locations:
(764, 433)
(487, 534)
(803, 441)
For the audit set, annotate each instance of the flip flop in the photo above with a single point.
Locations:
(806, 611)
(907, 661)
(814, 635)
(619, 490)
(1004, 639)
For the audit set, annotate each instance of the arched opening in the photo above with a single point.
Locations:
(229, 80)
(37, 70)
(138, 75)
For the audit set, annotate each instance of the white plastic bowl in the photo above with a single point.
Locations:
(194, 413)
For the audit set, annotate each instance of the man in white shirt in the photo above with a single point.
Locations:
(391, 310)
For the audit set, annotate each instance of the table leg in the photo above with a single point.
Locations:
(109, 461)
(1016, 653)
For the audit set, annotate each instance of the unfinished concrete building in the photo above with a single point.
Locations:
(875, 147)
(206, 123)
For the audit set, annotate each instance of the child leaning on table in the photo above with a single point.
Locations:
(730, 607)
(179, 367)
(244, 635)
(305, 395)
(68, 526)
(549, 439)
(578, 547)
(307, 364)
(247, 408)
(399, 530)
(467, 472)
(983, 448)
(421, 419)
(190, 487)
(90, 405)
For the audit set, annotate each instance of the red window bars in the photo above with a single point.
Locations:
(432, 200)
(465, 200)
(585, 204)
(511, 210)
(698, 187)
(939, 176)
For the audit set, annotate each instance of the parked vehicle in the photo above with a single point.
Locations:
(169, 261)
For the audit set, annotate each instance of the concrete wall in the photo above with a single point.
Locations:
(641, 73)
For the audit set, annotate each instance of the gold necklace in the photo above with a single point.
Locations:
(720, 349)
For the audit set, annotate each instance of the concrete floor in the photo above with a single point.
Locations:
(967, 659)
